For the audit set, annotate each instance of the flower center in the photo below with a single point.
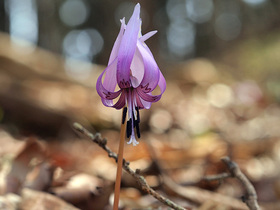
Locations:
(133, 118)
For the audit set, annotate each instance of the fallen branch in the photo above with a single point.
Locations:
(196, 194)
(251, 197)
(217, 177)
(140, 179)
(200, 196)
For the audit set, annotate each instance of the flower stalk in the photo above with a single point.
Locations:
(120, 161)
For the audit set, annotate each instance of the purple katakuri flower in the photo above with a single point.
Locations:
(133, 68)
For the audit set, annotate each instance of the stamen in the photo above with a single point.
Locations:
(129, 128)
(137, 129)
(138, 114)
(134, 121)
(124, 114)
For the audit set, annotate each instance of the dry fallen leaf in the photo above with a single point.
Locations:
(21, 165)
(36, 200)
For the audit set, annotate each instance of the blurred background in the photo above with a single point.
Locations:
(85, 29)
(221, 62)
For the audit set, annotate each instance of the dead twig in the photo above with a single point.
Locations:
(195, 194)
(217, 177)
(140, 179)
(200, 196)
(251, 197)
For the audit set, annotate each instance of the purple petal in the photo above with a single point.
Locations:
(161, 83)
(151, 75)
(110, 79)
(116, 47)
(127, 48)
(148, 97)
(137, 69)
(121, 102)
(147, 36)
(106, 91)
(141, 104)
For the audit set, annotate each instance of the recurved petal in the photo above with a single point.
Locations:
(121, 102)
(116, 47)
(110, 78)
(106, 90)
(110, 82)
(151, 74)
(161, 83)
(141, 104)
(127, 48)
(148, 97)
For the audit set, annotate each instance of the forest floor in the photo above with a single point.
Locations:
(205, 115)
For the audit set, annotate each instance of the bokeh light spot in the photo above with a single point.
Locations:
(80, 47)
(176, 10)
(220, 95)
(254, 2)
(23, 20)
(227, 26)
(199, 11)
(83, 44)
(73, 12)
(181, 38)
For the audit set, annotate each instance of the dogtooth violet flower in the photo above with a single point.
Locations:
(134, 70)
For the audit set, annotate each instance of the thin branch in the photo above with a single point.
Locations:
(251, 197)
(195, 194)
(217, 177)
(140, 179)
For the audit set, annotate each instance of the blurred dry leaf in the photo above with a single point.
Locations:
(36, 200)
(10, 201)
(22, 165)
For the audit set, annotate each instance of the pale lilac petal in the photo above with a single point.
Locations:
(127, 49)
(147, 105)
(151, 74)
(137, 69)
(110, 79)
(147, 36)
(161, 83)
(142, 104)
(105, 90)
(107, 86)
(116, 47)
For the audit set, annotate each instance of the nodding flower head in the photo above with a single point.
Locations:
(134, 70)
